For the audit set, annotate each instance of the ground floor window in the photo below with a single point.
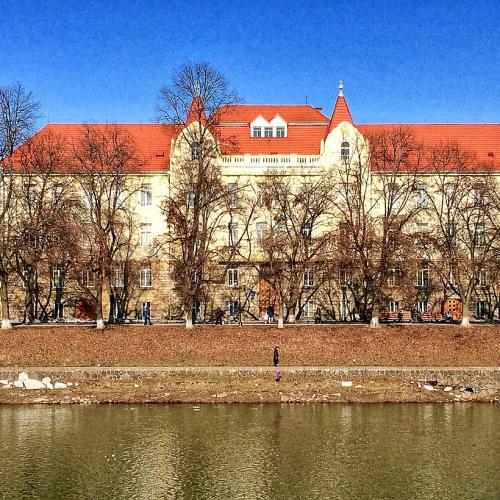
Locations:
(422, 306)
(393, 306)
(481, 309)
(309, 309)
(233, 306)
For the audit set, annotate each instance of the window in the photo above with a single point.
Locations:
(57, 192)
(423, 276)
(257, 132)
(308, 309)
(117, 277)
(233, 307)
(307, 230)
(479, 236)
(261, 232)
(423, 227)
(87, 278)
(422, 200)
(481, 309)
(268, 131)
(482, 279)
(449, 192)
(232, 277)
(233, 194)
(145, 235)
(422, 306)
(191, 199)
(345, 152)
(391, 280)
(145, 280)
(194, 151)
(146, 195)
(233, 235)
(309, 278)
(393, 306)
(344, 277)
(280, 131)
(57, 277)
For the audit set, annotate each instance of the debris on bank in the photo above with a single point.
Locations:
(25, 382)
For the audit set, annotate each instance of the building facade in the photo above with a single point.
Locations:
(302, 144)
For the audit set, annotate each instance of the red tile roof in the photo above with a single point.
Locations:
(152, 141)
(340, 113)
(301, 139)
(243, 113)
(480, 139)
(196, 111)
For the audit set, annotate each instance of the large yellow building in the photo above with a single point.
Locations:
(290, 139)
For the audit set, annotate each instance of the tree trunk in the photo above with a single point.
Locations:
(466, 312)
(291, 315)
(374, 322)
(188, 317)
(6, 324)
(280, 321)
(99, 316)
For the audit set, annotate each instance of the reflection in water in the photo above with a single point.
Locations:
(248, 451)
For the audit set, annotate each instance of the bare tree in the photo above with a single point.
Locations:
(375, 202)
(197, 208)
(18, 115)
(462, 245)
(45, 219)
(297, 248)
(105, 162)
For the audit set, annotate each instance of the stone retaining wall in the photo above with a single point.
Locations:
(484, 376)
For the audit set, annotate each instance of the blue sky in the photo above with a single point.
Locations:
(401, 61)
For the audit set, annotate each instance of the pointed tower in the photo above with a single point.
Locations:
(341, 111)
(196, 111)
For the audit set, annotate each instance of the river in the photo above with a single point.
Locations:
(442, 451)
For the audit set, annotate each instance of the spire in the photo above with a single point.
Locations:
(196, 111)
(341, 111)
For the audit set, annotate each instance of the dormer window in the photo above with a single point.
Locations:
(345, 151)
(261, 127)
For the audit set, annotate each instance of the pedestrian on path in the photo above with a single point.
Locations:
(317, 317)
(270, 314)
(219, 314)
(276, 356)
(147, 315)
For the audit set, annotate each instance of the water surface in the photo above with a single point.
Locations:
(251, 451)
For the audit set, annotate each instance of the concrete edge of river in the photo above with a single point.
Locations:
(102, 384)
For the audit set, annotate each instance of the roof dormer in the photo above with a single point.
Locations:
(260, 127)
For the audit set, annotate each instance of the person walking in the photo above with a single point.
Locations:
(276, 356)
(147, 315)
(270, 314)
(219, 314)
(317, 316)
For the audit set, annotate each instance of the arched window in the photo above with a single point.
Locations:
(194, 151)
(345, 151)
